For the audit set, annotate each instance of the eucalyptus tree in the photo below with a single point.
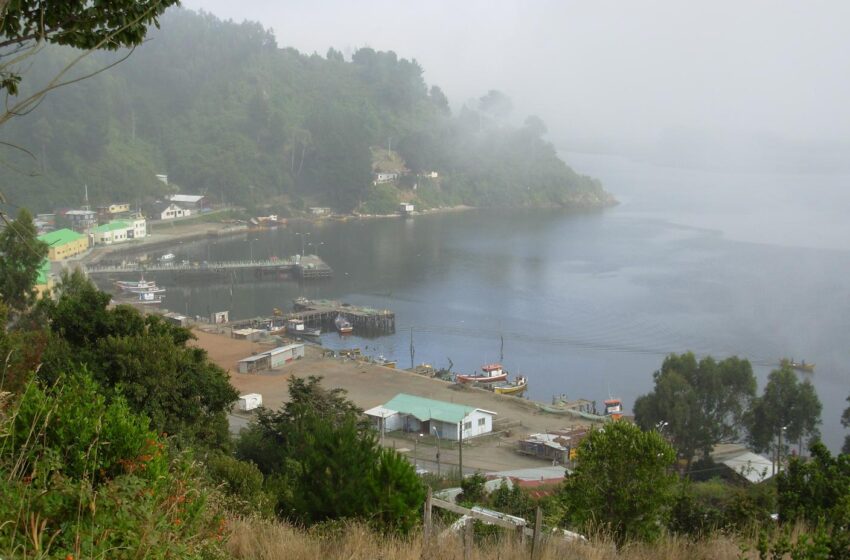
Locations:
(698, 403)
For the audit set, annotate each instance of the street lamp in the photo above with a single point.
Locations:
(415, 441)
(316, 245)
(303, 239)
(437, 433)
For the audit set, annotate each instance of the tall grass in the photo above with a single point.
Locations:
(267, 540)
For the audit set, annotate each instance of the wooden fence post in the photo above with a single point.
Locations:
(536, 542)
(426, 526)
(467, 538)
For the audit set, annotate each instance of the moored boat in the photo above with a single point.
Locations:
(613, 408)
(167, 257)
(799, 366)
(491, 373)
(296, 327)
(148, 299)
(518, 385)
(343, 325)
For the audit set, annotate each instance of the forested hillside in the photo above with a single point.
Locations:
(223, 110)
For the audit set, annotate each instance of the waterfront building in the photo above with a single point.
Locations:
(64, 243)
(445, 420)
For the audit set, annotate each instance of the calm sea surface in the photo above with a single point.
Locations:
(755, 265)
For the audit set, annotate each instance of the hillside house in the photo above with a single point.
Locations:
(81, 220)
(385, 177)
(410, 413)
(170, 211)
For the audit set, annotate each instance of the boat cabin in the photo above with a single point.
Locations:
(295, 325)
(492, 370)
(614, 408)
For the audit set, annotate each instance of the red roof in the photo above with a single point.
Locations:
(491, 367)
(613, 401)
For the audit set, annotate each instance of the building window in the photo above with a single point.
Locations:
(481, 421)
(467, 425)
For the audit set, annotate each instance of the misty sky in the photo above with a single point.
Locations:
(763, 82)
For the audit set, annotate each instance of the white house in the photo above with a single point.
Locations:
(428, 416)
(172, 211)
(383, 177)
(138, 227)
(111, 233)
(249, 401)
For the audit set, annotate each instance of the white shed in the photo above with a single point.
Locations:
(249, 401)
(282, 355)
(428, 416)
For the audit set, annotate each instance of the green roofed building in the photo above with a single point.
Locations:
(64, 243)
(44, 282)
(410, 413)
(112, 232)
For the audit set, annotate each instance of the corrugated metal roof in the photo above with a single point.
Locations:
(185, 197)
(255, 357)
(429, 409)
(111, 226)
(751, 466)
(286, 348)
(60, 237)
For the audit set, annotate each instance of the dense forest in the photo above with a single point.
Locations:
(223, 110)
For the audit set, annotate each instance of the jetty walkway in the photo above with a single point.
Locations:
(307, 267)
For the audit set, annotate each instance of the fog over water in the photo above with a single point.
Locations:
(723, 130)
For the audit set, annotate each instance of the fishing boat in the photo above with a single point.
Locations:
(150, 289)
(167, 257)
(799, 366)
(514, 387)
(343, 325)
(491, 373)
(296, 327)
(613, 408)
(127, 284)
(149, 299)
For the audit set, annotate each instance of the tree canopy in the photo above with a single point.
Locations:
(788, 408)
(323, 462)
(621, 483)
(223, 111)
(697, 403)
(21, 257)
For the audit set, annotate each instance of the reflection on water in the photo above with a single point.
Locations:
(588, 304)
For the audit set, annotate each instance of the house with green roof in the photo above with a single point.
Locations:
(116, 231)
(64, 243)
(446, 420)
(44, 282)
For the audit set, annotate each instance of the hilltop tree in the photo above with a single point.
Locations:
(789, 408)
(21, 257)
(698, 403)
(30, 24)
(621, 484)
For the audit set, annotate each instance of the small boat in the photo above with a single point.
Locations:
(167, 257)
(382, 361)
(799, 366)
(296, 327)
(149, 299)
(518, 385)
(613, 408)
(491, 373)
(126, 284)
(343, 326)
(151, 289)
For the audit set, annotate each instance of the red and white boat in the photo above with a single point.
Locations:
(491, 373)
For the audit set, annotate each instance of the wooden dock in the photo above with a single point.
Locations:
(322, 312)
(307, 267)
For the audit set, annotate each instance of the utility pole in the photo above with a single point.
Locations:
(412, 349)
(460, 450)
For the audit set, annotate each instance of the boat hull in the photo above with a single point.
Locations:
(511, 389)
(481, 378)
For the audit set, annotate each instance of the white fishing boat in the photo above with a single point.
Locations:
(167, 257)
(343, 325)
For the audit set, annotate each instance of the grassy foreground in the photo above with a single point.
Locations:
(264, 540)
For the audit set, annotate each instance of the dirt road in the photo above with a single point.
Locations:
(370, 385)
